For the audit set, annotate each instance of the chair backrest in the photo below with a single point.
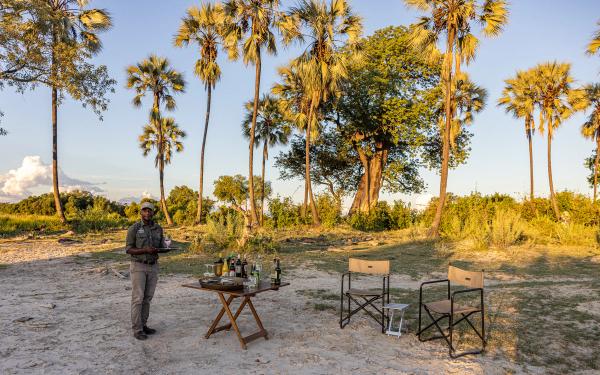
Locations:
(375, 267)
(470, 279)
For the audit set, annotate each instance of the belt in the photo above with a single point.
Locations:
(150, 262)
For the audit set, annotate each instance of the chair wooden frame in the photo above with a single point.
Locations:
(369, 297)
(448, 309)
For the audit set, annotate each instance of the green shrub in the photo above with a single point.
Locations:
(260, 243)
(377, 220)
(330, 210)
(92, 220)
(402, 216)
(225, 231)
(284, 213)
(507, 228)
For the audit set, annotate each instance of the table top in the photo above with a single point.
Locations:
(262, 287)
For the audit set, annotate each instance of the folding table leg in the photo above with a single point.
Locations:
(258, 322)
(214, 324)
(232, 319)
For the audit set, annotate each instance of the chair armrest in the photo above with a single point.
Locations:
(435, 282)
(343, 276)
(432, 282)
(465, 291)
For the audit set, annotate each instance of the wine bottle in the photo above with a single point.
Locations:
(245, 268)
(238, 266)
(232, 267)
(278, 272)
(219, 265)
(274, 273)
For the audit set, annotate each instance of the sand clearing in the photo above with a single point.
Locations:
(63, 313)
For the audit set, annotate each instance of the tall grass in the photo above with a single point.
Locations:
(12, 225)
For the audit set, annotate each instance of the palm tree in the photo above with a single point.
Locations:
(155, 75)
(591, 128)
(519, 99)
(594, 45)
(203, 27)
(558, 100)
(163, 135)
(328, 28)
(272, 128)
(251, 21)
(70, 24)
(453, 22)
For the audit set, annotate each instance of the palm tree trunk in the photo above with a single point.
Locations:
(552, 196)
(155, 117)
(596, 164)
(163, 202)
(57, 204)
(313, 207)
(435, 226)
(528, 131)
(262, 193)
(199, 213)
(253, 216)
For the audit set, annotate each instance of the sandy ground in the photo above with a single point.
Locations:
(59, 315)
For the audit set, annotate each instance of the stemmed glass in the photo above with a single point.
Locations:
(167, 241)
(210, 270)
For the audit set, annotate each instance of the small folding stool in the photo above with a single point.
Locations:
(401, 307)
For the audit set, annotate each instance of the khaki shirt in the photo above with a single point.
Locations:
(140, 235)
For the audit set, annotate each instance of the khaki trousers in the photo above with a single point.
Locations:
(143, 282)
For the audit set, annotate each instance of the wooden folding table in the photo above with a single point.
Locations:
(246, 294)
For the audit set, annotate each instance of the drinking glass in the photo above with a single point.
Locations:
(210, 270)
(167, 241)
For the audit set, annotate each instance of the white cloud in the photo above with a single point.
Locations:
(17, 183)
(136, 199)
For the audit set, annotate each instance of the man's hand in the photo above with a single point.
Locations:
(151, 250)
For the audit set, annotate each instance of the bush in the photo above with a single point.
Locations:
(11, 225)
(330, 210)
(260, 243)
(377, 220)
(225, 231)
(283, 213)
(507, 228)
(402, 216)
(95, 220)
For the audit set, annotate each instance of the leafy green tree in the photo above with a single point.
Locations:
(557, 100)
(251, 23)
(164, 136)
(22, 61)
(272, 129)
(384, 113)
(333, 163)
(591, 128)
(67, 33)
(154, 75)
(519, 99)
(452, 21)
(327, 29)
(204, 26)
(183, 203)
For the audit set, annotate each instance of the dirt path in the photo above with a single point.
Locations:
(59, 315)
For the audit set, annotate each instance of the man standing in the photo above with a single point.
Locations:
(142, 243)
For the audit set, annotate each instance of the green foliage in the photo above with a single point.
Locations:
(330, 210)
(260, 243)
(284, 213)
(15, 224)
(233, 190)
(224, 232)
(383, 217)
(183, 204)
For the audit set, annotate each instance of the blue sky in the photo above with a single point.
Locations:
(106, 154)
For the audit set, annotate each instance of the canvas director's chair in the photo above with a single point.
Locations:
(454, 312)
(365, 299)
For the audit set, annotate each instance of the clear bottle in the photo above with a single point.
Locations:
(258, 269)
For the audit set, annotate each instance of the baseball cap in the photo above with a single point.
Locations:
(147, 205)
